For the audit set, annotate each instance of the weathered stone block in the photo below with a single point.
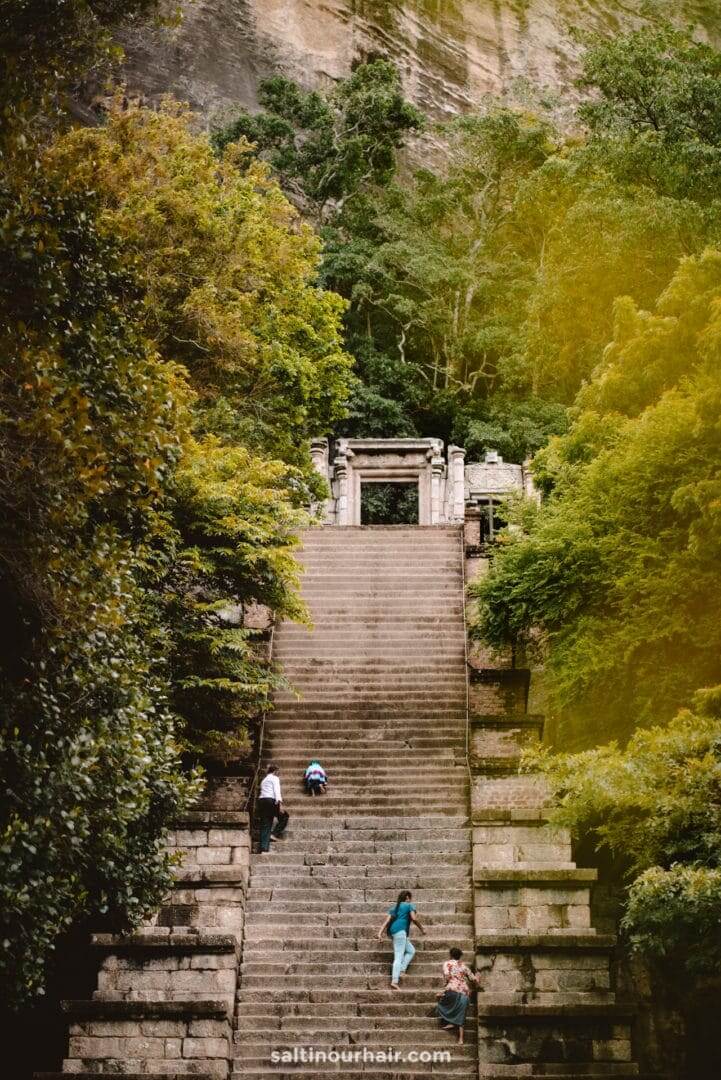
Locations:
(205, 1048)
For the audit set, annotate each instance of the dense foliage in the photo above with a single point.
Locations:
(91, 426)
(229, 273)
(656, 809)
(329, 148)
(619, 570)
(613, 583)
(168, 354)
(46, 48)
(615, 576)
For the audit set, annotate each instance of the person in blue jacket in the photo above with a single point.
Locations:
(398, 928)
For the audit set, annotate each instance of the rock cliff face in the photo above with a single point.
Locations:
(452, 53)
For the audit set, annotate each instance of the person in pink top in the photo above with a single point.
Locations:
(453, 1001)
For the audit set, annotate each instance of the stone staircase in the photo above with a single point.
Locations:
(382, 685)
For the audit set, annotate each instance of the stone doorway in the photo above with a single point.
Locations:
(389, 503)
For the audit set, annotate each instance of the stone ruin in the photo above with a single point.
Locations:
(450, 491)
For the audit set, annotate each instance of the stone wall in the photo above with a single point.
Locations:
(165, 997)
(552, 973)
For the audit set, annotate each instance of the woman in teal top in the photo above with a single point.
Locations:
(398, 927)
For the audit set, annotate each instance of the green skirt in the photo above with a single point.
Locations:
(451, 1008)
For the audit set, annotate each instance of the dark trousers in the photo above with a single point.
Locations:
(267, 813)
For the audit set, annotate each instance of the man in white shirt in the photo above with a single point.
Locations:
(270, 807)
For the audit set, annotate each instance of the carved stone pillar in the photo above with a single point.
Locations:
(438, 469)
(457, 480)
(319, 457)
(343, 509)
(529, 488)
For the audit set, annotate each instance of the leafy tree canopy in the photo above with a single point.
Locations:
(91, 422)
(657, 109)
(164, 336)
(619, 569)
(656, 809)
(325, 148)
(230, 274)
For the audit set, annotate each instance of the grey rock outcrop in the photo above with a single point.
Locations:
(452, 53)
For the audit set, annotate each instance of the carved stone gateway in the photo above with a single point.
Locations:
(449, 491)
(350, 463)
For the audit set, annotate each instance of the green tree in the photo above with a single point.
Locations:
(655, 808)
(230, 274)
(230, 294)
(432, 280)
(159, 310)
(655, 117)
(327, 148)
(619, 569)
(46, 48)
(91, 423)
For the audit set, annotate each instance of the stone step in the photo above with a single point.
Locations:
(264, 1071)
(349, 793)
(420, 857)
(349, 617)
(459, 1066)
(380, 586)
(382, 666)
(453, 693)
(328, 607)
(348, 763)
(395, 811)
(348, 830)
(424, 823)
(382, 715)
(254, 1013)
(362, 632)
(352, 771)
(292, 765)
(263, 898)
(339, 1032)
(320, 997)
(448, 778)
(306, 687)
(428, 982)
(442, 927)
(310, 952)
(373, 892)
(351, 877)
(399, 734)
(280, 971)
(435, 656)
(362, 939)
(345, 794)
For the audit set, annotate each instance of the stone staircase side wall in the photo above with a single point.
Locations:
(165, 994)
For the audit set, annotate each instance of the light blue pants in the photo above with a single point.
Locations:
(403, 953)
